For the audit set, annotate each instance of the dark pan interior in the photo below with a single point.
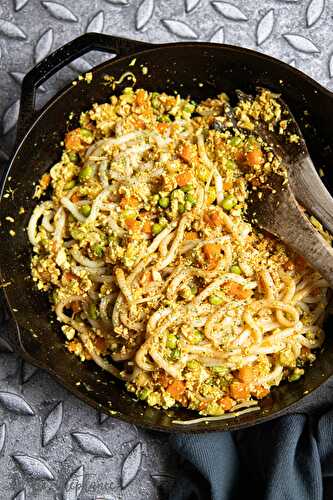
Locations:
(201, 70)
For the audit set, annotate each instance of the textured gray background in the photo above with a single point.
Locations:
(52, 446)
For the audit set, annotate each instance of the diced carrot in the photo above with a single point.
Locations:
(213, 219)
(184, 178)
(164, 379)
(226, 403)
(132, 224)
(68, 276)
(254, 157)
(185, 154)
(203, 405)
(140, 97)
(73, 140)
(75, 198)
(191, 235)
(239, 391)
(45, 181)
(176, 389)
(100, 343)
(76, 306)
(147, 227)
(247, 374)
(212, 251)
(140, 124)
(236, 290)
(260, 391)
(132, 201)
(240, 156)
(161, 127)
(227, 185)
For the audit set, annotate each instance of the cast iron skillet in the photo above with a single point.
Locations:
(198, 69)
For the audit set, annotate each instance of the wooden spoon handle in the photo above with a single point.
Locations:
(280, 215)
(311, 192)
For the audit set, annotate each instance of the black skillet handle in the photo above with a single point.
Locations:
(59, 59)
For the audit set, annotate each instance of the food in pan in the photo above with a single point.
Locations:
(153, 269)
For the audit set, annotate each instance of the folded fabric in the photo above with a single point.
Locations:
(289, 458)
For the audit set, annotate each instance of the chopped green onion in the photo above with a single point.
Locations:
(235, 141)
(175, 354)
(230, 165)
(171, 341)
(98, 250)
(181, 208)
(197, 336)
(194, 289)
(74, 157)
(86, 135)
(144, 393)
(190, 198)
(187, 188)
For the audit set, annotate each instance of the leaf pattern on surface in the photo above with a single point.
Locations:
(191, 5)
(314, 11)
(102, 417)
(230, 11)
(144, 13)
(52, 424)
(20, 495)
(80, 65)
(73, 487)
(179, 28)
(10, 30)
(3, 434)
(10, 117)
(19, 4)
(44, 45)
(5, 347)
(60, 12)
(96, 24)
(91, 444)
(15, 403)
(218, 36)
(27, 371)
(330, 65)
(265, 27)
(17, 76)
(301, 43)
(34, 467)
(131, 465)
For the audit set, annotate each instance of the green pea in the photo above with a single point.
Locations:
(221, 370)
(296, 375)
(85, 210)
(86, 135)
(181, 208)
(171, 341)
(187, 188)
(197, 336)
(143, 394)
(228, 202)
(235, 141)
(191, 199)
(98, 250)
(236, 269)
(189, 108)
(164, 119)
(74, 157)
(92, 311)
(128, 91)
(70, 184)
(175, 354)
(86, 172)
(193, 364)
(164, 202)
(157, 228)
(194, 289)
(230, 165)
(215, 300)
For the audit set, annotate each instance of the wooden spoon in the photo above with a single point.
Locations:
(305, 182)
(279, 213)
